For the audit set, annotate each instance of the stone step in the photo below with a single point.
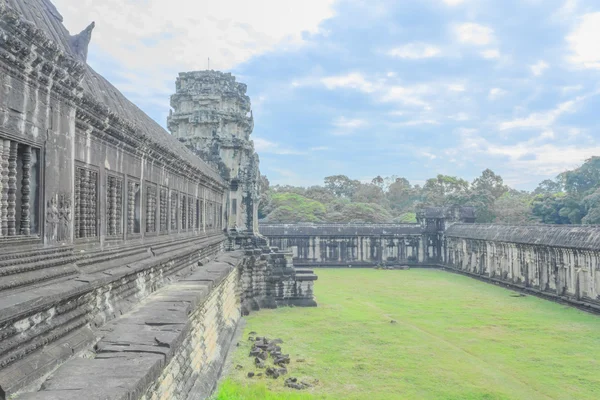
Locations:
(25, 257)
(36, 276)
(37, 264)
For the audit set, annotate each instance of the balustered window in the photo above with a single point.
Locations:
(210, 215)
(114, 206)
(86, 203)
(198, 213)
(201, 218)
(134, 220)
(151, 203)
(220, 217)
(19, 187)
(191, 214)
(183, 211)
(163, 210)
(174, 205)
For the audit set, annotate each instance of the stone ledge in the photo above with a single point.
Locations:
(32, 331)
(133, 350)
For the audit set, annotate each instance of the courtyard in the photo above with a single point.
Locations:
(422, 334)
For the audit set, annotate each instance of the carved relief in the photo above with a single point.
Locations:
(52, 220)
(65, 216)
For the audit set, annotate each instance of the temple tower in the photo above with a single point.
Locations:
(211, 114)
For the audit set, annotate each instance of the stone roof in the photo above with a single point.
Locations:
(571, 236)
(338, 229)
(44, 15)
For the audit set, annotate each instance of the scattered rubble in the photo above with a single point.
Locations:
(295, 384)
(264, 349)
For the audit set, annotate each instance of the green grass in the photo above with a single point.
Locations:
(455, 338)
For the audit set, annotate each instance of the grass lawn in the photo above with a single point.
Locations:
(455, 338)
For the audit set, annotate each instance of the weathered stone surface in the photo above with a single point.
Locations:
(101, 212)
(212, 116)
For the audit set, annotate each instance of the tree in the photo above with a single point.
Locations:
(585, 179)
(402, 196)
(548, 186)
(362, 213)
(341, 185)
(592, 208)
(368, 193)
(514, 207)
(291, 208)
(320, 194)
(445, 190)
(264, 205)
(484, 192)
(490, 182)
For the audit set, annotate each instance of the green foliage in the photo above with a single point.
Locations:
(464, 339)
(513, 207)
(361, 212)
(291, 208)
(571, 198)
(406, 218)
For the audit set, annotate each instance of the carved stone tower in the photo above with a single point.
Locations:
(211, 114)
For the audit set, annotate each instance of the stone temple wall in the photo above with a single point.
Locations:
(343, 245)
(115, 279)
(561, 262)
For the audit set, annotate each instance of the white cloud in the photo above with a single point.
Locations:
(453, 3)
(475, 34)
(456, 87)
(158, 39)
(346, 126)
(415, 51)
(541, 119)
(570, 89)
(353, 80)
(538, 68)
(490, 54)
(407, 95)
(266, 146)
(496, 92)
(319, 148)
(538, 156)
(462, 116)
(584, 42)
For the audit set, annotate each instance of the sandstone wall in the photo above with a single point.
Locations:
(562, 262)
(350, 244)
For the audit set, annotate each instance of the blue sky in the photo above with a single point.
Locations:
(367, 88)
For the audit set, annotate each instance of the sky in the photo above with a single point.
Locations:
(410, 88)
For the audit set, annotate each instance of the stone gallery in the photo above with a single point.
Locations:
(101, 207)
(129, 254)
